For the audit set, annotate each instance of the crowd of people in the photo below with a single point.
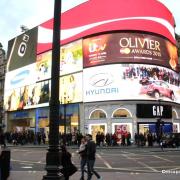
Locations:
(71, 139)
(153, 73)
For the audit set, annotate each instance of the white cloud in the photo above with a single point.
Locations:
(29, 13)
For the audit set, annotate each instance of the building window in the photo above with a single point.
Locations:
(119, 113)
(98, 114)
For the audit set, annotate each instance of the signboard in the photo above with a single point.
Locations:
(71, 59)
(22, 50)
(129, 48)
(43, 66)
(130, 82)
(108, 16)
(20, 77)
(26, 97)
(71, 88)
(153, 111)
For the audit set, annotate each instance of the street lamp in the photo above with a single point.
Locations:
(53, 156)
(65, 116)
(159, 123)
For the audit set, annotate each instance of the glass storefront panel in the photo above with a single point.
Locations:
(69, 116)
(95, 128)
(146, 128)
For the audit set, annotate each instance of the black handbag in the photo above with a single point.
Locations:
(69, 170)
(72, 169)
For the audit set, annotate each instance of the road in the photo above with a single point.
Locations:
(138, 161)
(28, 163)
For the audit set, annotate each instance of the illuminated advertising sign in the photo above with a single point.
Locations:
(43, 66)
(71, 58)
(153, 111)
(130, 82)
(129, 48)
(25, 97)
(109, 15)
(121, 129)
(20, 77)
(71, 88)
(22, 50)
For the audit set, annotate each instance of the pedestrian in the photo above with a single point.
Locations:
(161, 144)
(2, 138)
(83, 153)
(91, 153)
(43, 135)
(68, 167)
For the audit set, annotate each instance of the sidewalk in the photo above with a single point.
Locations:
(38, 175)
(153, 148)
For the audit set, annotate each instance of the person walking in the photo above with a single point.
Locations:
(68, 167)
(91, 153)
(2, 138)
(83, 153)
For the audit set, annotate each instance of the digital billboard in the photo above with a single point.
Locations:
(20, 77)
(71, 88)
(129, 48)
(22, 50)
(107, 16)
(130, 82)
(25, 97)
(43, 66)
(71, 59)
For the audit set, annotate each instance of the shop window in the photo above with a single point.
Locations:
(174, 114)
(98, 114)
(121, 113)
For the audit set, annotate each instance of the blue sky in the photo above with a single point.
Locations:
(15, 13)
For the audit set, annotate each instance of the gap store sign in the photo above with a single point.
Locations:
(153, 111)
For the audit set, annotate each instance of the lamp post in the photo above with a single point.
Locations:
(159, 123)
(53, 156)
(65, 116)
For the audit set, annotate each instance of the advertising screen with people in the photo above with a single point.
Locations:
(26, 97)
(130, 82)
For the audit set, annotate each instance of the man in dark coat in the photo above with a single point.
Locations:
(91, 157)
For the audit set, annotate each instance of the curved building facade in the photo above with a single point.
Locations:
(118, 70)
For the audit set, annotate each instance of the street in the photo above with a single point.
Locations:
(138, 162)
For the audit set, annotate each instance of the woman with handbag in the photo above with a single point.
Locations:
(68, 167)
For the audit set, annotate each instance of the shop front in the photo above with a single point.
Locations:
(151, 127)
(68, 119)
(21, 120)
(152, 116)
(110, 118)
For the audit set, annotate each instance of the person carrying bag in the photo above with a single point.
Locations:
(68, 167)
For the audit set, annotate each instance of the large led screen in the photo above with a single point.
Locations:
(21, 77)
(25, 97)
(71, 59)
(101, 16)
(130, 82)
(22, 50)
(43, 66)
(131, 48)
(71, 88)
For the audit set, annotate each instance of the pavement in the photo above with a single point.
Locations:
(155, 148)
(38, 175)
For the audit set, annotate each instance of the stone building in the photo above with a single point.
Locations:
(2, 79)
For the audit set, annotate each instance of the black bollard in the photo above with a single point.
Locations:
(5, 157)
